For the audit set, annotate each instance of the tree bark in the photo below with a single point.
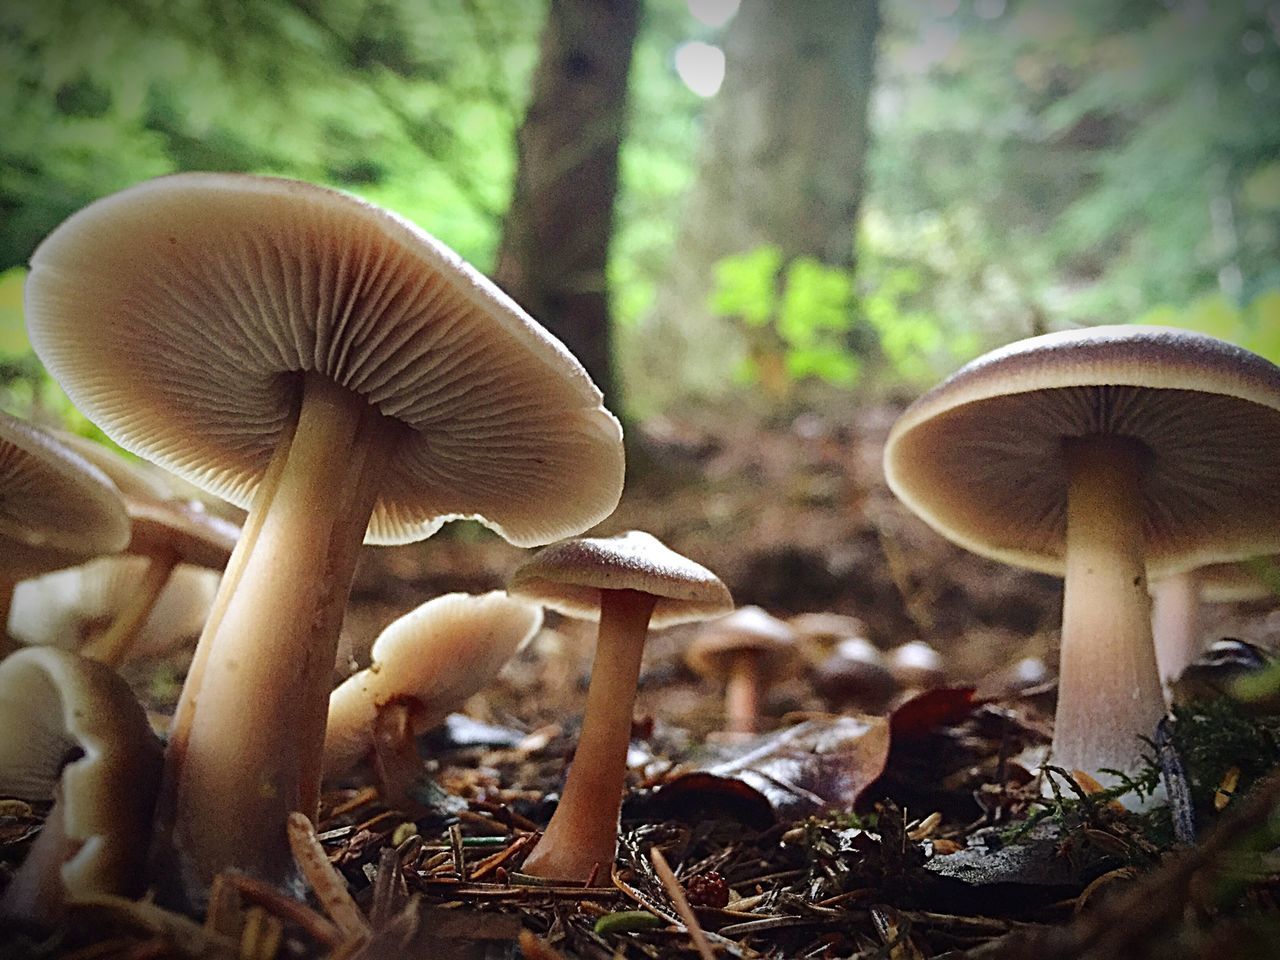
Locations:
(782, 163)
(555, 241)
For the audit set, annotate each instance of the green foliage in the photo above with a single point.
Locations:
(1215, 736)
(819, 318)
(799, 312)
(1057, 164)
(1255, 326)
(411, 105)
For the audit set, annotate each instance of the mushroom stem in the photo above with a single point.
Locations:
(1109, 688)
(742, 693)
(583, 831)
(1175, 620)
(111, 645)
(396, 761)
(238, 764)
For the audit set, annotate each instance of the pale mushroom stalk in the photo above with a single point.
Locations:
(583, 831)
(112, 644)
(742, 692)
(273, 627)
(1109, 686)
(1175, 621)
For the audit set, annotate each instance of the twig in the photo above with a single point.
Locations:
(329, 886)
(681, 902)
(319, 928)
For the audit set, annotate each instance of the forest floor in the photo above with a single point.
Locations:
(913, 830)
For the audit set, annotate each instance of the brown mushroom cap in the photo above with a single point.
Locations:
(827, 627)
(71, 729)
(747, 629)
(980, 457)
(856, 670)
(208, 290)
(56, 509)
(435, 656)
(569, 577)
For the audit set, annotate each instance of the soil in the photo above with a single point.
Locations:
(823, 836)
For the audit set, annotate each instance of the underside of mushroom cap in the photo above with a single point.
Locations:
(981, 457)
(177, 315)
(56, 509)
(569, 577)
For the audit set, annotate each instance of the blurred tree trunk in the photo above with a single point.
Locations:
(555, 241)
(782, 163)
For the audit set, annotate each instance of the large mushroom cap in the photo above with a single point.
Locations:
(980, 457)
(569, 577)
(56, 509)
(175, 312)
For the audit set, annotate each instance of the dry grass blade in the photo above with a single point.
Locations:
(330, 889)
(262, 935)
(676, 893)
(265, 895)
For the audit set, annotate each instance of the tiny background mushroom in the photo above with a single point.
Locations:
(747, 650)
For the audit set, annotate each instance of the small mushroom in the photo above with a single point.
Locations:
(820, 632)
(1176, 614)
(856, 674)
(1102, 455)
(71, 731)
(628, 582)
(425, 664)
(56, 509)
(917, 665)
(342, 374)
(746, 650)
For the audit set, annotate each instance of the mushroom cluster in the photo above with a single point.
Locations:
(344, 376)
(347, 379)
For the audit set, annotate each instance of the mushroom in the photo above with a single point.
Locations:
(56, 509)
(747, 650)
(343, 375)
(1175, 608)
(1102, 455)
(425, 664)
(71, 731)
(917, 665)
(628, 582)
(821, 632)
(72, 608)
(166, 531)
(855, 674)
